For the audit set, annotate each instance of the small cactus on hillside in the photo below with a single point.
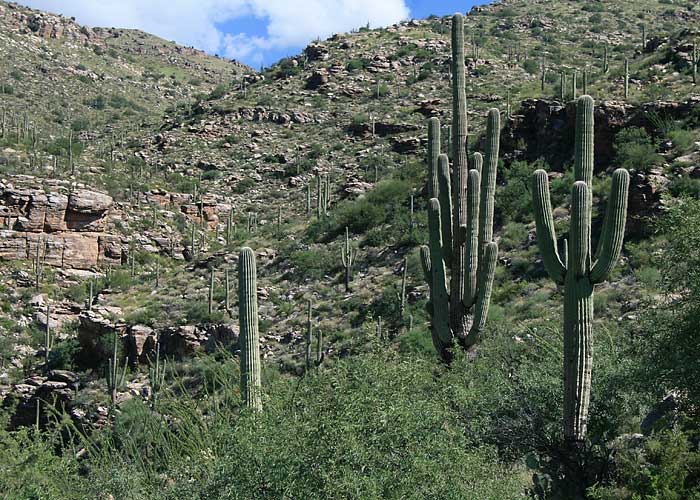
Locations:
(348, 254)
(116, 374)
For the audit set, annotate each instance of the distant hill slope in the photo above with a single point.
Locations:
(57, 71)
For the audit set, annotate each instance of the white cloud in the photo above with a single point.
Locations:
(288, 23)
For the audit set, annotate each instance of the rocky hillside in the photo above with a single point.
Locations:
(177, 159)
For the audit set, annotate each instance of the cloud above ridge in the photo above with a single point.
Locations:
(272, 26)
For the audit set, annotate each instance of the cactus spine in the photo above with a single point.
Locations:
(249, 336)
(576, 268)
(347, 258)
(460, 223)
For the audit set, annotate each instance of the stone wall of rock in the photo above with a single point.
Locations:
(70, 229)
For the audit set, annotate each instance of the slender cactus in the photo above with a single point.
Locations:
(115, 374)
(576, 268)
(48, 340)
(460, 224)
(227, 293)
(319, 196)
(91, 296)
(308, 199)
(574, 90)
(562, 86)
(210, 296)
(249, 337)
(695, 61)
(644, 38)
(156, 375)
(606, 63)
(627, 78)
(347, 257)
(543, 74)
(404, 281)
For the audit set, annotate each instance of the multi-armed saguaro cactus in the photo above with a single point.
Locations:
(576, 268)
(248, 323)
(460, 220)
(347, 257)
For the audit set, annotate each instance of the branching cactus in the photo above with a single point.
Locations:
(249, 337)
(576, 268)
(460, 221)
(347, 257)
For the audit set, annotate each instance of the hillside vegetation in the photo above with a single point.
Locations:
(140, 356)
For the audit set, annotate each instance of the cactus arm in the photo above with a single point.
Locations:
(583, 163)
(425, 261)
(478, 162)
(471, 238)
(483, 300)
(445, 198)
(613, 227)
(442, 336)
(580, 232)
(488, 178)
(433, 154)
(544, 221)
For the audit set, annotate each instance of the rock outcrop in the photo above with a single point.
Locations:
(68, 229)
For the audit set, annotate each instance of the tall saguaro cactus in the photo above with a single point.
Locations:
(460, 221)
(576, 267)
(248, 323)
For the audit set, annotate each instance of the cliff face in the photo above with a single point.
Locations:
(68, 230)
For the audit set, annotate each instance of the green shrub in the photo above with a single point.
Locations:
(634, 149)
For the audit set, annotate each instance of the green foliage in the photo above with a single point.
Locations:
(31, 470)
(634, 149)
(312, 264)
(385, 204)
(664, 467)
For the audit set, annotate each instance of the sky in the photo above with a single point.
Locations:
(255, 32)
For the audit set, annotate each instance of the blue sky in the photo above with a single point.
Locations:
(252, 31)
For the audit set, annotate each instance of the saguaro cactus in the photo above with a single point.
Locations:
(347, 257)
(248, 323)
(576, 268)
(627, 78)
(115, 374)
(695, 61)
(460, 222)
(309, 360)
